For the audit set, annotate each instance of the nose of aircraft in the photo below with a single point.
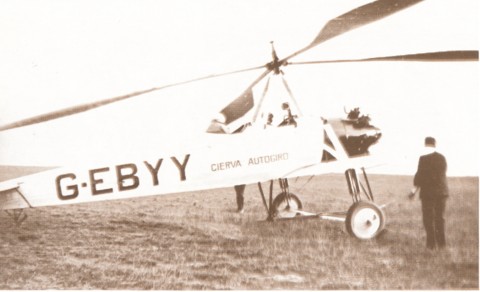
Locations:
(358, 141)
(356, 133)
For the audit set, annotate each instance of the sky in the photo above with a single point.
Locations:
(56, 54)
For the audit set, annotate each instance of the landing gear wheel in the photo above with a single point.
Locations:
(365, 220)
(283, 209)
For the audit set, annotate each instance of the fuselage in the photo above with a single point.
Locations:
(256, 154)
(214, 162)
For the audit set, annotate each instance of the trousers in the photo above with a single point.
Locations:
(433, 210)
(239, 190)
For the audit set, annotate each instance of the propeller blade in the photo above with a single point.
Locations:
(89, 106)
(355, 18)
(447, 56)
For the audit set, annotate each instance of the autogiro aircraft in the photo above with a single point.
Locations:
(272, 149)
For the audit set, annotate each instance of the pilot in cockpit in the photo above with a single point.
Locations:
(289, 119)
(269, 122)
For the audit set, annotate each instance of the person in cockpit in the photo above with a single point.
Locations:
(269, 121)
(289, 119)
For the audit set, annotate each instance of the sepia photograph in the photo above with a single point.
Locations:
(239, 145)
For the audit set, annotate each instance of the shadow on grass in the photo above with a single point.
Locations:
(293, 228)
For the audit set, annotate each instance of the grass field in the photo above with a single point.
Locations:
(197, 241)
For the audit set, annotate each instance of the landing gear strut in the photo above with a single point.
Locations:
(17, 216)
(285, 204)
(365, 220)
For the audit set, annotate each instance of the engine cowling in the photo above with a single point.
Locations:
(356, 133)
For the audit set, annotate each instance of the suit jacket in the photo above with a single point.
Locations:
(431, 176)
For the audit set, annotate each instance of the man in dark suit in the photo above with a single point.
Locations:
(431, 178)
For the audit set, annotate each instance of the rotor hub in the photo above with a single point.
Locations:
(275, 64)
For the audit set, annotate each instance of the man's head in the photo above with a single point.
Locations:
(430, 142)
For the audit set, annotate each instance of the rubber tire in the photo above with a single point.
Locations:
(354, 210)
(281, 198)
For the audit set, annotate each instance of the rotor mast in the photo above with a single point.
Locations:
(274, 66)
(276, 63)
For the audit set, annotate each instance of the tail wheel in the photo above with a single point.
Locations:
(283, 208)
(365, 220)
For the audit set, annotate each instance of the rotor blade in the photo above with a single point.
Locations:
(243, 103)
(89, 106)
(355, 18)
(448, 56)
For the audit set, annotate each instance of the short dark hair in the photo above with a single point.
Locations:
(430, 141)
